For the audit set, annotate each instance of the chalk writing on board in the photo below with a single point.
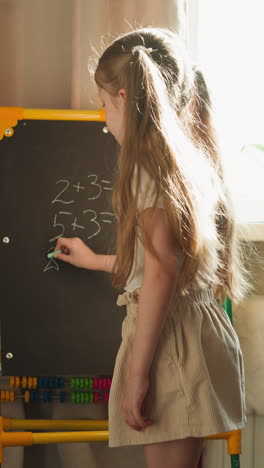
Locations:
(57, 224)
(94, 182)
(52, 264)
(87, 221)
(57, 199)
(78, 187)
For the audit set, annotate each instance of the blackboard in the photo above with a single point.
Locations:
(56, 179)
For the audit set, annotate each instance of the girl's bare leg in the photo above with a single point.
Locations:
(181, 453)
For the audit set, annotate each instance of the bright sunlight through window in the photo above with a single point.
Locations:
(227, 39)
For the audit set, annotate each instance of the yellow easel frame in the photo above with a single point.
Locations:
(9, 116)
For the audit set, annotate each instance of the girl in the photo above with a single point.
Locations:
(179, 372)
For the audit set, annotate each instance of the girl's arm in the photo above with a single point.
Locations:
(106, 263)
(76, 252)
(155, 295)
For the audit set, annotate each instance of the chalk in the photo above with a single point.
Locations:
(51, 254)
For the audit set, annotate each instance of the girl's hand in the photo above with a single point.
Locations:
(76, 252)
(136, 391)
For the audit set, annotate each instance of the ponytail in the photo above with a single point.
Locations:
(202, 130)
(231, 271)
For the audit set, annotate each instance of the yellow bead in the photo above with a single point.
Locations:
(12, 382)
(27, 396)
(24, 382)
(35, 382)
(12, 396)
(17, 382)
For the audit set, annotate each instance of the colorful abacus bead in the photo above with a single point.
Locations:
(62, 397)
(88, 383)
(24, 382)
(50, 382)
(40, 382)
(29, 382)
(106, 397)
(60, 382)
(72, 382)
(27, 396)
(12, 382)
(34, 382)
(105, 384)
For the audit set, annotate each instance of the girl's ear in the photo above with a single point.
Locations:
(122, 93)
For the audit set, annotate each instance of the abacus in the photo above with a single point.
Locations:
(48, 389)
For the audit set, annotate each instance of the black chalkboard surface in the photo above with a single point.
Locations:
(56, 179)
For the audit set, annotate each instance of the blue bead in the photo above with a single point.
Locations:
(45, 382)
(62, 384)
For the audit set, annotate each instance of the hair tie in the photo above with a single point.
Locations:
(147, 50)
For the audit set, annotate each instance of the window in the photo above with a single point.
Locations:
(227, 38)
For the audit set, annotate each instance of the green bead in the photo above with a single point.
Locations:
(72, 382)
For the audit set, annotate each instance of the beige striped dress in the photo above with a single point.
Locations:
(197, 383)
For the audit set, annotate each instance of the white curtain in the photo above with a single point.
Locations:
(46, 46)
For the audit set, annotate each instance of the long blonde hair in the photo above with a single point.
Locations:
(168, 133)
